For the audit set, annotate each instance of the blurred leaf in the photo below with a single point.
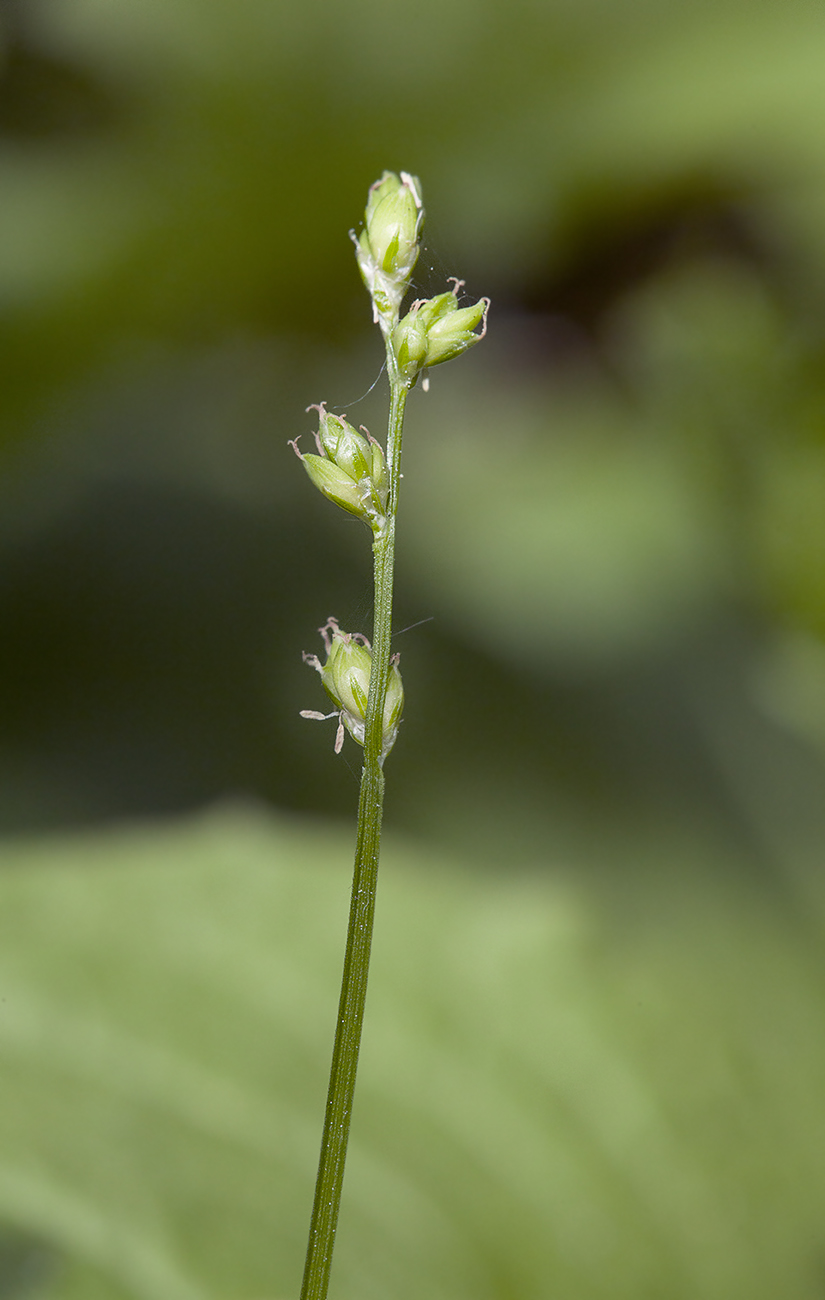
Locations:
(555, 529)
(549, 1103)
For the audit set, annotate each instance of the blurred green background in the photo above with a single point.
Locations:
(594, 1065)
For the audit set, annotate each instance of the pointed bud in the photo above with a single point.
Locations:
(349, 449)
(339, 486)
(387, 248)
(346, 679)
(409, 343)
(436, 330)
(380, 477)
(393, 706)
(453, 333)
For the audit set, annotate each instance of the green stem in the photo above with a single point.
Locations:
(365, 879)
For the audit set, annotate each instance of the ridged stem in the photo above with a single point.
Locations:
(345, 1051)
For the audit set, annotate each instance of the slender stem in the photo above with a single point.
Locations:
(365, 878)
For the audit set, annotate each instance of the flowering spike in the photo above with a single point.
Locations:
(350, 469)
(387, 248)
(436, 330)
(346, 679)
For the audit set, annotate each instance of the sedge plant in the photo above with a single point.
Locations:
(362, 678)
